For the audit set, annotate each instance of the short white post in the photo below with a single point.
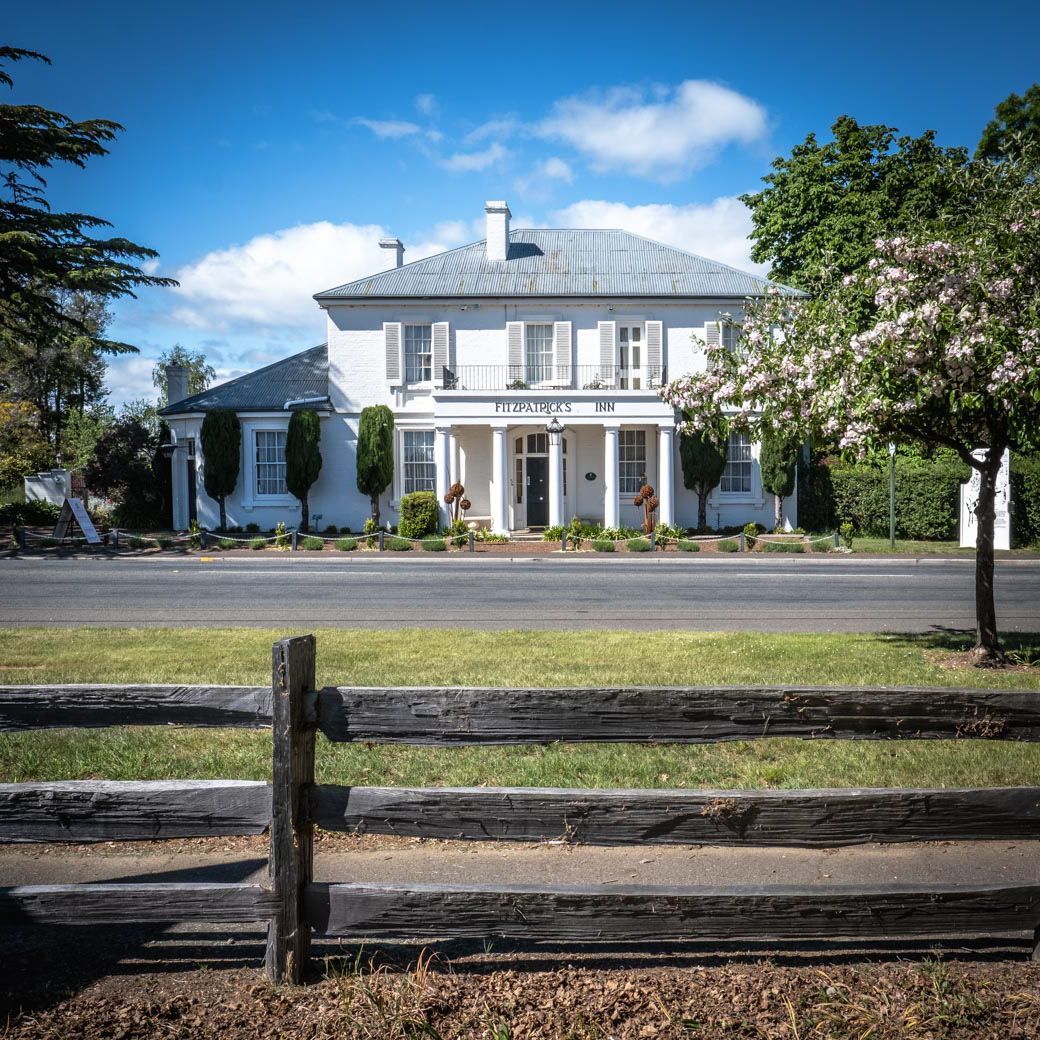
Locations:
(555, 431)
(499, 481)
(610, 477)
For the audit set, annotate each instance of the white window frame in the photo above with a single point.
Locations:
(729, 334)
(644, 471)
(405, 326)
(631, 373)
(748, 461)
(544, 373)
(403, 461)
(247, 479)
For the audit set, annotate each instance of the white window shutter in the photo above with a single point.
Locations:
(607, 351)
(393, 336)
(655, 352)
(440, 351)
(562, 352)
(515, 336)
(712, 333)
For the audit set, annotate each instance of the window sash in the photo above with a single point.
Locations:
(270, 462)
(418, 469)
(418, 353)
(736, 477)
(631, 460)
(538, 352)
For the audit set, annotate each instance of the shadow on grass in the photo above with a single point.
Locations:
(1022, 647)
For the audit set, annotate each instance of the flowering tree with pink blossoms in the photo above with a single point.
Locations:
(936, 341)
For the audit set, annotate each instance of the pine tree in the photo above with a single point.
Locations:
(303, 458)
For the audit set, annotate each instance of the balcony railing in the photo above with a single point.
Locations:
(552, 377)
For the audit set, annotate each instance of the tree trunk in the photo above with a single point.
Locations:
(305, 512)
(375, 508)
(223, 513)
(987, 652)
(702, 510)
(778, 513)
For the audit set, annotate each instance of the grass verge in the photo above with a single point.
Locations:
(448, 657)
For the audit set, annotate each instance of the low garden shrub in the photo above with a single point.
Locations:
(47, 543)
(29, 514)
(729, 545)
(257, 543)
(222, 543)
(685, 545)
(164, 543)
(396, 544)
(252, 528)
(602, 545)
(752, 531)
(331, 529)
(420, 514)
(346, 544)
(489, 536)
(433, 545)
(665, 533)
(139, 543)
(783, 547)
(639, 545)
(312, 544)
(281, 536)
(553, 534)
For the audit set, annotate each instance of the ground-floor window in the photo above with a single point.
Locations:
(270, 462)
(736, 478)
(417, 465)
(631, 460)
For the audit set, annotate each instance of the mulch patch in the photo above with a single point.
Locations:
(891, 1001)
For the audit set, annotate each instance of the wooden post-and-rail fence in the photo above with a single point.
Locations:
(292, 804)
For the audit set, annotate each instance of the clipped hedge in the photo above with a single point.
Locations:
(29, 514)
(420, 515)
(1025, 499)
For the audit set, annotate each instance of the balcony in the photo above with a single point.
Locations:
(554, 378)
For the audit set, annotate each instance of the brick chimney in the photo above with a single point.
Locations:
(498, 215)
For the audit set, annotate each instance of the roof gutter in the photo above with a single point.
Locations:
(320, 399)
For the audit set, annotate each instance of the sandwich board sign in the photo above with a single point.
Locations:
(969, 501)
(73, 511)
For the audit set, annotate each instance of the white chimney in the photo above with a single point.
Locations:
(497, 230)
(397, 246)
(176, 383)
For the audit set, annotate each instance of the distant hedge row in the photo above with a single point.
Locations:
(927, 498)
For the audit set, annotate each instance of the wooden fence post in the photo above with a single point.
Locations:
(291, 856)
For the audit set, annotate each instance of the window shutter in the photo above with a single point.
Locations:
(562, 353)
(515, 336)
(440, 351)
(392, 333)
(712, 333)
(607, 351)
(655, 352)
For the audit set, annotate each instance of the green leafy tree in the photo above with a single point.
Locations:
(375, 453)
(221, 438)
(823, 205)
(200, 373)
(303, 458)
(128, 468)
(1015, 129)
(44, 251)
(703, 463)
(23, 447)
(778, 459)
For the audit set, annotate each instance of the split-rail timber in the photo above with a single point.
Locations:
(294, 906)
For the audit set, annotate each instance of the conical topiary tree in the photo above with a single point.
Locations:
(303, 458)
(703, 463)
(375, 453)
(221, 439)
(778, 458)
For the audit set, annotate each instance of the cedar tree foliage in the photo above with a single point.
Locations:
(303, 458)
(375, 453)
(703, 463)
(221, 438)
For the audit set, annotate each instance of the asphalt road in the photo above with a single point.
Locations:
(826, 594)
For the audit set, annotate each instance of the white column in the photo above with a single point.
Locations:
(610, 477)
(499, 481)
(556, 480)
(666, 471)
(442, 462)
(453, 458)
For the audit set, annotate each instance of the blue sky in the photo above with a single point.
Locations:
(268, 145)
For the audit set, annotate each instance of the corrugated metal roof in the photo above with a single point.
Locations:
(267, 389)
(560, 263)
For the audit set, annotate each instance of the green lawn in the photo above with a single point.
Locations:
(913, 547)
(445, 656)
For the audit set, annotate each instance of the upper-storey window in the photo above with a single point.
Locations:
(538, 356)
(736, 477)
(730, 335)
(418, 353)
(630, 357)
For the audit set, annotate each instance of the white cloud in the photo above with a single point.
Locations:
(389, 128)
(426, 103)
(468, 162)
(664, 137)
(540, 180)
(503, 127)
(267, 282)
(718, 230)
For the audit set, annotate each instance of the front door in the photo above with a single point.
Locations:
(193, 499)
(537, 496)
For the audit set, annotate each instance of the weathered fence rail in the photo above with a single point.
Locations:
(292, 804)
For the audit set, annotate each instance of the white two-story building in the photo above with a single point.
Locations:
(525, 366)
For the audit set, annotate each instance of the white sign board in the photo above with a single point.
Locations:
(74, 509)
(969, 500)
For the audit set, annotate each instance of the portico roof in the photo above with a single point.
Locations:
(571, 263)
